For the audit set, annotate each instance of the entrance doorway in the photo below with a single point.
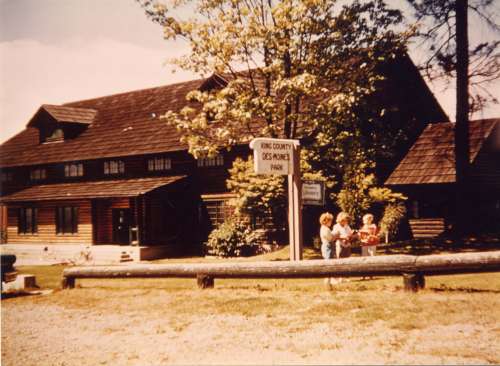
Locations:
(121, 225)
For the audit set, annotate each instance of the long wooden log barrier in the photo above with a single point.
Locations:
(412, 268)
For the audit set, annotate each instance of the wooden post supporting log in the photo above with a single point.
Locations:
(413, 281)
(68, 283)
(204, 281)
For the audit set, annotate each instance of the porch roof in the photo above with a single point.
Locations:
(87, 190)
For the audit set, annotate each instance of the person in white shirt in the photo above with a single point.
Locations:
(344, 235)
(325, 233)
(327, 239)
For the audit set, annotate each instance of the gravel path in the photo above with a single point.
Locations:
(106, 327)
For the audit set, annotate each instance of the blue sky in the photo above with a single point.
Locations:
(56, 51)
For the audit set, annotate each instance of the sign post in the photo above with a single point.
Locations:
(313, 192)
(282, 157)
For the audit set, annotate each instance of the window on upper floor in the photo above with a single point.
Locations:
(38, 174)
(73, 170)
(114, 167)
(6, 177)
(159, 164)
(67, 220)
(27, 220)
(214, 161)
(55, 135)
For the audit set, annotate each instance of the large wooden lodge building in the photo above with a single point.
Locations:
(109, 171)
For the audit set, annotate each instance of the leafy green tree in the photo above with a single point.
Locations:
(290, 69)
(257, 195)
(286, 67)
(263, 196)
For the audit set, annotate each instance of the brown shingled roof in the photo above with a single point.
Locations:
(99, 189)
(432, 158)
(126, 124)
(70, 114)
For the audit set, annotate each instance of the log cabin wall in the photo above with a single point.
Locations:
(485, 171)
(46, 224)
(3, 223)
(485, 177)
(103, 220)
(172, 219)
(212, 179)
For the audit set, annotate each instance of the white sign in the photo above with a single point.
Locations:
(273, 156)
(313, 193)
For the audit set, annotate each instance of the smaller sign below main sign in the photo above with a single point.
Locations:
(313, 192)
(274, 156)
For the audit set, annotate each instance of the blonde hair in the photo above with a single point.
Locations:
(342, 216)
(368, 219)
(325, 217)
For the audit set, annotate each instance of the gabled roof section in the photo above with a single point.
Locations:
(215, 81)
(71, 114)
(432, 158)
(64, 114)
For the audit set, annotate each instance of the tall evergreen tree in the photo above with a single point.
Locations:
(450, 57)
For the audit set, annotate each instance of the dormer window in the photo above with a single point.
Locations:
(57, 123)
(38, 174)
(73, 170)
(214, 161)
(159, 164)
(114, 167)
(56, 135)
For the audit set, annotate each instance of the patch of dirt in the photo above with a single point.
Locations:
(242, 326)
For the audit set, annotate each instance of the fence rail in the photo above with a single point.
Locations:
(412, 268)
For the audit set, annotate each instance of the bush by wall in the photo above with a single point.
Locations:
(232, 239)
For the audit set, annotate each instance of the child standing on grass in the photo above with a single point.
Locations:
(325, 233)
(369, 236)
(344, 233)
(327, 238)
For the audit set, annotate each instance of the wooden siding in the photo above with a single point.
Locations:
(212, 180)
(3, 224)
(103, 220)
(47, 224)
(427, 228)
(486, 169)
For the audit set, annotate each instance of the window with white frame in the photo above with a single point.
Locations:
(213, 161)
(38, 174)
(159, 164)
(73, 170)
(114, 167)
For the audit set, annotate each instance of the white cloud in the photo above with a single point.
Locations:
(33, 73)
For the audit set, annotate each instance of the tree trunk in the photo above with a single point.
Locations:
(463, 192)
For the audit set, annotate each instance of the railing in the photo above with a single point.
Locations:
(412, 268)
